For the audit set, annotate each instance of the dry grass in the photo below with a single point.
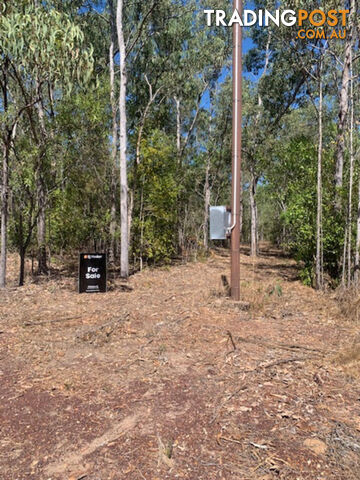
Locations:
(169, 379)
(349, 359)
(348, 300)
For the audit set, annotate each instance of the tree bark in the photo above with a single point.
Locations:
(318, 269)
(41, 189)
(241, 218)
(253, 210)
(178, 128)
(113, 185)
(124, 260)
(343, 110)
(40, 183)
(207, 204)
(344, 259)
(21, 251)
(41, 226)
(22, 267)
(351, 179)
(357, 246)
(179, 230)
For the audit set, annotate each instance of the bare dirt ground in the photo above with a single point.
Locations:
(167, 379)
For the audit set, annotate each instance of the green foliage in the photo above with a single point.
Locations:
(54, 62)
(44, 42)
(80, 202)
(154, 229)
(291, 186)
(276, 290)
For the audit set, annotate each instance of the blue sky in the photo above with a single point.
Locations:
(247, 45)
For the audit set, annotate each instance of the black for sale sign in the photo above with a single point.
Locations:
(92, 273)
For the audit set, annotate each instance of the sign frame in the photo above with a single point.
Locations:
(83, 283)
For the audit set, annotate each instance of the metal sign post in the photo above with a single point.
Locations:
(236, 156)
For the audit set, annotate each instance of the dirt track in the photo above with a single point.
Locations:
(170, 380)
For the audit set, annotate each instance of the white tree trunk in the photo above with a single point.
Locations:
(178, 127)
(113, 222)
(357, 246)
(318, 272)
(253, 210)
(343, 276)
(343, 108)
(180, 234)
(207, 204)
(351, 179)
(124, 261)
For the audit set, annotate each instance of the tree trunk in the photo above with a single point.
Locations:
(319, 276)
(22, 267)
(178, 128)
(351, 179)
(343, 110)
(207, 204)
(141, 216)
(113, 186)
(253, 209)
(180, 235)
(343, 276)
(21, 251)
(41, 190)
(4, 214)
(357, 246)
(130, 213)
(41, 226)
(124, 261)
(241, 218)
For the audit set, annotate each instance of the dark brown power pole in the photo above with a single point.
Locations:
(236, 155)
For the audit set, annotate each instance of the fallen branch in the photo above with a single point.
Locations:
(282, 362)
(228, 333)
(232, 440)
(45, 322)
(282, 346)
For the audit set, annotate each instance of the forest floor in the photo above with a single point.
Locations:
(165, 378)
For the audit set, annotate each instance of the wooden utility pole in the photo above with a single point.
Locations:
(236, 156)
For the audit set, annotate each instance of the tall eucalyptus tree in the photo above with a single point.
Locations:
(42, 50)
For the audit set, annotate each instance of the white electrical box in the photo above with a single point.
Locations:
(220, 222)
